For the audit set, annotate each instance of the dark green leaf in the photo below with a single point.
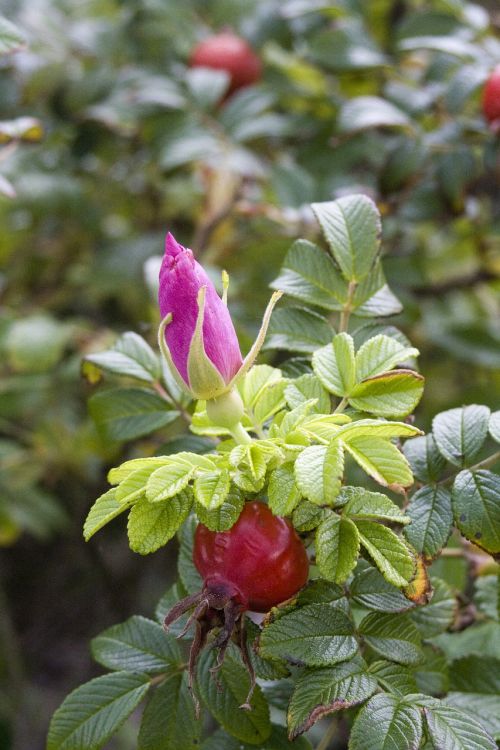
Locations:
(127, 413)
(137, 645)
(387, 722)
(297, 330)
(395, 678)
(392, 636)
(92, 713)
(426, 461)
(169, 721)
(370, 589)
(476, 508)
(431, 520)
(460, 433)
(439, 613)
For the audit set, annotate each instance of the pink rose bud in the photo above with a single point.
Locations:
(199, 333)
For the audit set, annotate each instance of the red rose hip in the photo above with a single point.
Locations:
(229, 52)
(491, 98)
(257, 564)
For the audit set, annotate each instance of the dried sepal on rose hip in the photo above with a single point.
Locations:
(257, 564)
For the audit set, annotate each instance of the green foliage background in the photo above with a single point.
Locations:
(132, 145)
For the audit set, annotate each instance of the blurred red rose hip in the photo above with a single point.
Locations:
(491, 98)
(229, 52)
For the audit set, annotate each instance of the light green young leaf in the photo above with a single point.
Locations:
(334, 365)
(212, 488)
(393, 636)
(387, 721)
(307, 516)
(134, 486)
(431, 519)
(137, 645)
(317, 635)
(152, 525)
(380, 354)
(376, 428)
(92, 713)
(122, 472)
(392, 394)
(226, 515)
(352, 228)
(381, 460)
(460, 433)
(305, 388)
(388, 552)
(363, 504)
(337, 548)
(283, 493)
(175, 475)
(318, 472)
(309, 274)
(262, 391)
(102, 512)
(320, 692)
(476, 508)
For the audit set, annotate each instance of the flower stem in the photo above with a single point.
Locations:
(240, 435)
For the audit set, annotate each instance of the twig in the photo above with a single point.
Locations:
(484, 464)
(347, 309)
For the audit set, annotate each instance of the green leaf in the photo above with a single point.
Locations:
(451, 729)
(320, 692)
(262, 391)
(388, 552)
(283, 493)
(11, 38)
(212, 488)
(305, 388)
(121, 473)
(352, 228)
(395, 678)
(134, 486)
(337, 548)
(436, 616)
(476, 508)
(223, 700)
(381, 460)
(152, 525)
(127, 413)
(387, 721)
(296, 329)
(175, 475)
(370, 589)
(393, 636)
(276, 741)
(374, 428)
(380, 354)
(426, 461)
(486, 596)
(169, 721)
(226, 515)
(130, 356)
(318, 472)
(190, 578)
(102, 512)
(92, 713)
(432, 674)
(364, 112)
(460, 433)
(317, 635)
(137, 645)
(494, 426)
(392, 394)
(310, 275)
(475, 689)
(363, 504)
(334, 365)
(307, 516)
(431, 520)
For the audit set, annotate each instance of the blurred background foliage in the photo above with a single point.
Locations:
(108, 139)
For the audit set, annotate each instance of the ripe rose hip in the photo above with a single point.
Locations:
(229, 52)
(491, 98)
(257, 564)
